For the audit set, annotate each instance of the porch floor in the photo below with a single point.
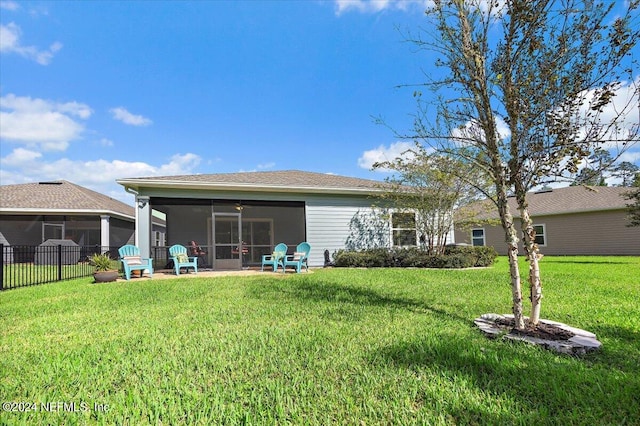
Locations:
(170, 273)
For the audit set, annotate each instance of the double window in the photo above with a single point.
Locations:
(403, 229)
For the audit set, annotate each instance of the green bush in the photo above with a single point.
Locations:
(414, 257)
(480, 256)
(371, 258)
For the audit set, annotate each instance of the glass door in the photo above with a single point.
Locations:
(227, 246)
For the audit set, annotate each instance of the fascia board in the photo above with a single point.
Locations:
(240, 187)
(33, 211)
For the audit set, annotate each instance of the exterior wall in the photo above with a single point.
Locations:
(335, 223)
(332, 222)
(594, 233)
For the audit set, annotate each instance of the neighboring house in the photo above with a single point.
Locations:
(32, 213)
(575, 220)
(238, 217)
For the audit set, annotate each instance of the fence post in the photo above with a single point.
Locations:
(2, 267)
(59, 262)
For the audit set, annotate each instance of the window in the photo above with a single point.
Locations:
(158, 239)
(52, 230)
(477, 237)
(403, 228)
(541, 235)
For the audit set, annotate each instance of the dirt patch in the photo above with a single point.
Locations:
(542, 331)
(548, 334)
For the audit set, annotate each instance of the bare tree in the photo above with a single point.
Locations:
(429, 186)
(528, 93)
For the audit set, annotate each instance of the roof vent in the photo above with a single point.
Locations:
(57, 182)
(544, 190)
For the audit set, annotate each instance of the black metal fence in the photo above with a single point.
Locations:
(23, 266)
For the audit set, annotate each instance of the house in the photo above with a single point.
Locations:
(575, 220)
(235, 218)
(33, 213)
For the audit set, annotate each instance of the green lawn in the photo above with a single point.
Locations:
(337, 346)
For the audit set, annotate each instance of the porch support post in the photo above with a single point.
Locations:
(143, 225)
(104, 233)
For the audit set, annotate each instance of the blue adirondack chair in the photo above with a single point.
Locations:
(298, 259)
(274, 259)
(181, 260)
(131, 261)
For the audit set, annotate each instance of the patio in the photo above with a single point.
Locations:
(162, 274)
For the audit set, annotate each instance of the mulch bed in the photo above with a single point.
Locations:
(542, 331)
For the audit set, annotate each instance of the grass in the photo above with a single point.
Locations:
(338, 346)
(17, 275)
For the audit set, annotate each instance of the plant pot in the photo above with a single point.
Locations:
(105, 276)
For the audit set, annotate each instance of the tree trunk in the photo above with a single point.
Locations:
(533, 256)
(511, 239)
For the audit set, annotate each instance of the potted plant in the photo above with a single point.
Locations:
(104, 271)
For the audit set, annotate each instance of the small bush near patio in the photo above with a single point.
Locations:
(453, 257)
(335, 346)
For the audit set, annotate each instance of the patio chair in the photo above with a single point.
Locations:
(180, 259)
(197, 251)
(131, 261)
(298, 259)
(274, 259)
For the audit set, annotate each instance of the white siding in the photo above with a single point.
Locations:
(341, 222)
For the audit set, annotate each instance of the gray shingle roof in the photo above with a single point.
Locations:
(572, 199)
(59, 196)
(266, 179)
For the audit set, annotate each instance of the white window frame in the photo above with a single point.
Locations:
(53, 225)
(392, 229)
(544, 233)
(158, 239)
(484, 237)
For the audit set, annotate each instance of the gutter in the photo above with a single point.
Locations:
(243, 187)
(30, 211)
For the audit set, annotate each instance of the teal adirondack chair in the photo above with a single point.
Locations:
(298, 259)
(274, 259)
(131, 261)
(181, 260)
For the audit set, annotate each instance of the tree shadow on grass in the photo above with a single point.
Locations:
(545, 388)
(325, 291)
(619, 261)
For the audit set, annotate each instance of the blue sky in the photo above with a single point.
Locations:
(94, 91)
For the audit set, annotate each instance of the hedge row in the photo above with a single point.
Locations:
(454, 257)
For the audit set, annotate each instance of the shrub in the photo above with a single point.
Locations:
(414, 257)
(480, 255)
(364, 259)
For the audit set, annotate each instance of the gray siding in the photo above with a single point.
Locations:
(335, 223)
(593, 233)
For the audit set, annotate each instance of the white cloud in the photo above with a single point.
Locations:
(10, 43)
(383, 153)
(180, 164)
(472, 132)
(625, 102)
(20, 157)
(375, 6)
(40, 122)
(121, 114)
(9, 5)
(23, 165)
(266, 166)
(630, 156)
